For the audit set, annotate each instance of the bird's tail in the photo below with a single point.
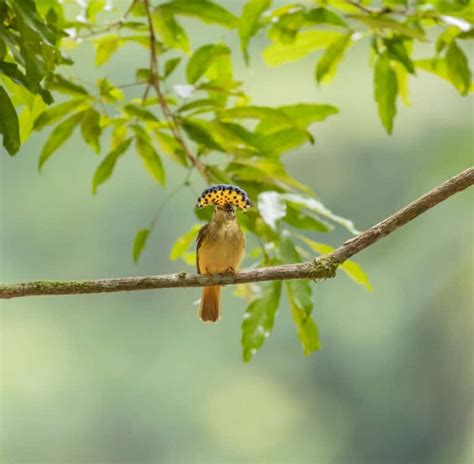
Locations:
(210, 306)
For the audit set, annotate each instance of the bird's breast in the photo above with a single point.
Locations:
(223, 248)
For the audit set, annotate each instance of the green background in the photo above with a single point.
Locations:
(136, 378)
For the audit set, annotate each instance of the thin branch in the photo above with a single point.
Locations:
(169, 115)
(322, 267)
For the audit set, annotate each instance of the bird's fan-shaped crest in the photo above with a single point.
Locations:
(222, 195)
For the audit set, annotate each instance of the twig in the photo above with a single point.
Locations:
(322, 267)
(169, 115)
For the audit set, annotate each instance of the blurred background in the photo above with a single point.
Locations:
(136, 378)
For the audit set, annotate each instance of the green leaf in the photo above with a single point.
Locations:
(458, 68)
(382, 22)
(57, 112)
(271, 207)
(324, 16)
(333, 55)
(169, 30)
(9, 127)
(66, 86)
(306, 42)
(402, 83)
(105, 48)
(300, 298)
(172, 148)
(171, 65)
(206, 11)
(90, 129)
(202, 59)
(183, 243)
(350, 268)
(301, 220)
(150, 159)
(109, 92)
(58, 137)
(398, 52)
(139, 243)
(259, 318)
(106, 168)
(249, 23)
(385, 91)
(317, 207)
(140, 112)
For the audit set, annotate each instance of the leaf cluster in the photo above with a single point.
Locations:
(207, 122)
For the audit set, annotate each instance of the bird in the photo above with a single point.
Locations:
(220, 249)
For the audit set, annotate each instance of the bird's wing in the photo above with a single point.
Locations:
(200, 236)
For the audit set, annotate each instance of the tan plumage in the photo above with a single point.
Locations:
(220, 249)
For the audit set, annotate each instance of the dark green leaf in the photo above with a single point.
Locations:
(300, 298)
(58, 137)
(398, 52)
(259, 318)
(60, 84)
(296, 217)
(140, 112)
(91, 130)
(9, 127)
(139, 243)
(202, 59)
(204, 10)
(171, 65)
(333, 55)
(385, 91)
(324, 16)
(458, 68)
(249, 22)
(150, 159)
(105, 169)
(382, 22)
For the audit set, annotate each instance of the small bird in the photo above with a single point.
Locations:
(220, 244)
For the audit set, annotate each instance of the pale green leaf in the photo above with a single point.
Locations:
(382, 22)
(202, 59)
(352, 269)
(58, 137)
(150, 158)
(57, 112)
(206, 11)
(306, 42)
(249, 22)
(271, 207)
(106, 167)
(105, 48)
(182, 244)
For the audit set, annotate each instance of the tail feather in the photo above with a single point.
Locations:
(210, 306)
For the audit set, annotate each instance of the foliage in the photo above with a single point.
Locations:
(209, 112)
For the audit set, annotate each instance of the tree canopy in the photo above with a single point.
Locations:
(207, 123)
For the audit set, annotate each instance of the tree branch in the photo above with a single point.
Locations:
(168, 114)
(322, 267)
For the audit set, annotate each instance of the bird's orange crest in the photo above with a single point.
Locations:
(224, 194)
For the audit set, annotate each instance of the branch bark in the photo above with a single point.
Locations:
(322, 267)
